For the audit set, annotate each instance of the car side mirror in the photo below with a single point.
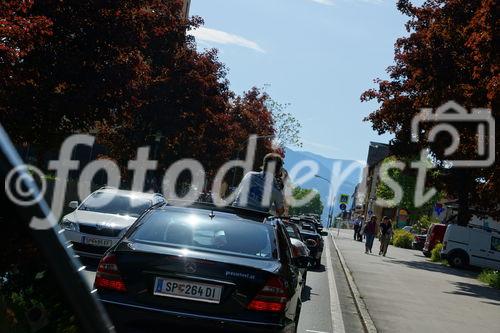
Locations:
(324, 233)
(301, 262)
(73, 204)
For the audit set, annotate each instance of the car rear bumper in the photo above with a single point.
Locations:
(138, 318)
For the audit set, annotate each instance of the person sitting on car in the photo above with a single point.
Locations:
(260, 190)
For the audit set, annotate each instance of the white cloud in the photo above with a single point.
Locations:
(324, 2)
(221, 37)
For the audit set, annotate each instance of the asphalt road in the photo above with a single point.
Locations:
(318, 314)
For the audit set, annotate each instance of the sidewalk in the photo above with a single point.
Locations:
(404, 292)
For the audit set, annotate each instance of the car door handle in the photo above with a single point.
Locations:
(482, 250)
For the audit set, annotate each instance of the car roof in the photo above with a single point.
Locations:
(145, 195)
(228, 211)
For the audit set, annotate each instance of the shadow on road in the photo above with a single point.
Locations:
(319, 269)
(474, 290)
(306, 294)
(436, 267)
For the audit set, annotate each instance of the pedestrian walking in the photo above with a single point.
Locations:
(356, 228)
(360, 231)
(369, 232)
(385, 235)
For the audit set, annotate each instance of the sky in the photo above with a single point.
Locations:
(317, 55)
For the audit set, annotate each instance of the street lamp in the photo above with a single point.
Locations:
(330, 210)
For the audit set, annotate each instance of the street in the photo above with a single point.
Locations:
(317, 315)
(405, 292)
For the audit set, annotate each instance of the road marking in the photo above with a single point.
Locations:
(313, 331)
(336, 311)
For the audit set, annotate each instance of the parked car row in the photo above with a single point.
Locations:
(472, 245)
(200, 265)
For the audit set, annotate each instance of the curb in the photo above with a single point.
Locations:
(366, 319)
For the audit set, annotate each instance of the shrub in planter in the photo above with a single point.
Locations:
(436, 252)
(402, 238)
(490, 277)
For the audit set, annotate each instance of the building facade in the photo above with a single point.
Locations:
(377, 153)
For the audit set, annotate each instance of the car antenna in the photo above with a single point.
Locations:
(212, 214)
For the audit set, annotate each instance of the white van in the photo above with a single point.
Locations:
(473, 245)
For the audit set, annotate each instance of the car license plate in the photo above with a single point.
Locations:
(97, 241)
(187, 290)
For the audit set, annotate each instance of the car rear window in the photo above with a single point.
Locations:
(307, 226)
(197, 230)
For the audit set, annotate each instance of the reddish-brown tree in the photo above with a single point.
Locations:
(129, 70)
(449, 54)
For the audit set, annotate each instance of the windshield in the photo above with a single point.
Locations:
(198, 231)
(111, 203)
(307, 227)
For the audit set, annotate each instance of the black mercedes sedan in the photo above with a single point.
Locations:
(197, 267)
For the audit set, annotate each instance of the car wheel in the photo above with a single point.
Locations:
(457, 259)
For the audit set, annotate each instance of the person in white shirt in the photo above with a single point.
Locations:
(261, 190)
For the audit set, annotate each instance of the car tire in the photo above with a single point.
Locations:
(457, 259)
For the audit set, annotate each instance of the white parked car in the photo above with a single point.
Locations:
(103, 218)
(472, 245)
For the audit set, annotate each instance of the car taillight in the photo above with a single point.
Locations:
(108, 276)
(272, 298)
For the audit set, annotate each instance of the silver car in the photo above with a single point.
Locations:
(103, 218)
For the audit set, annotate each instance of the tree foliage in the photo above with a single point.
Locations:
(128, 71)
(407, 179)
(449, 54)
(315, 206)
(286, 125)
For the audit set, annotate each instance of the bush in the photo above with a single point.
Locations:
(490, 277)
(423, 223)
(402, 239)
(436, 252)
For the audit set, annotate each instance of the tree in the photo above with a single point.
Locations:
(286, 125)
(407, 180)
(90, 67)
(128, 71)
(315, 206)
(448, 55)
